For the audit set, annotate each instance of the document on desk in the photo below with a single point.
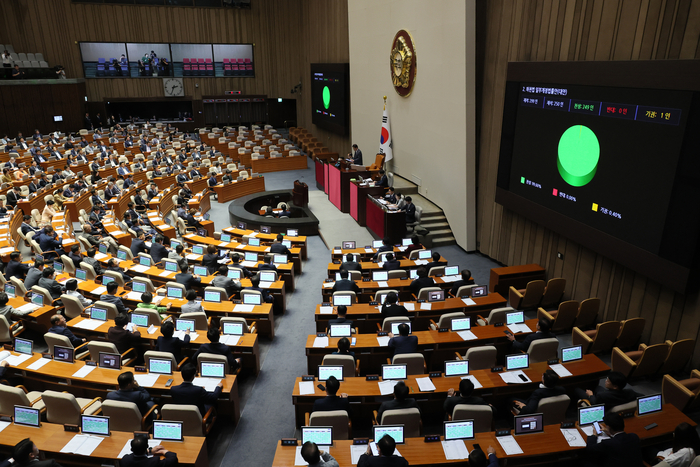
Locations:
(509, 445)
(229, 339)
(39, 363)
(573, 437)
(100, 256)
(139, 268)
(337, 251)
(181, 335)
(157, 299)
(356, 450)
(421, 262)
(474, 381)
(383, 284)
(425, 384)
(306, 388)
(455, 450)
(84, 371)
(386, 387)
(383, 341)
(244, 308)
(16, 360)
(448, 279)
(4, 425)
(207, 383)
(513, 377)
(560, 370)
(249, 264)
(90, 324)
(134, 296)
(328, 285)
(467, 335)
(265, 285)
(166, 274)
(326, 310)
(367, 250)
(321, 342)
(146, 380)
(516, 328)
(375, 452)
(468, 301)
(27, 308)
(102, 290)
(426, 306)
(127, 447)
(410, 306)
(82, 445)
(380, 264)
(152, 329)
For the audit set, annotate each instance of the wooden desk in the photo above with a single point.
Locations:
(370, 288)
(368, 266)
(358, 194)
(384, 223)
(549, 447)
(501, 279)
(338, 183)
(367, 316)
(299, 241)
(278, 164)
(50, 438)
(436, 347)
(164, 181)
(233, 190)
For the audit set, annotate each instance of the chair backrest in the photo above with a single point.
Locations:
(349, 293)
(435, 270)
(61, 407)
(652, 358)
(211, 357)
(95, 347)
(695, 463)
(542, 350)
(462, 291)
(415, 362)
(118, 278)
(347, 362)
(679, 353)
(188, 414)
(682, 397)
(338, 419)
(153, 315)
(161, 356)
(630, 333)
(73, 306)
(446, 319)
(553, 292)
(587, 313)
(90, 273)
(379, 293)
(481, 414)
(112, 311)
(5, 331)
(397, 274)
(149, 285)
(414, 254)
(123, 416)
(553, 408)
(220, 290)
(498, 315)
(200, 320)
(532, 296)
(566, 316)
(386, 324)
(425, 291)
(605, 336)
(68, 266)
(628, 407)
(53, 339)
(409, 418)
(20, 291)
(11, 396)
(482, 357)
(47, 296)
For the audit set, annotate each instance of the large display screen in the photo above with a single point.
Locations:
(607, 166)
(330, 96)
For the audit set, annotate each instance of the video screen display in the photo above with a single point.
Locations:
(329, 96)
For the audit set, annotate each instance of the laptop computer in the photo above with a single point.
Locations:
(461, 324)
(267, 276)
(234, 273)
(107, 279)
(456, 368)
(170, 266)
(451, 270)
(413, 274)
(571, 354)
(266, 229)
(58, 267)
(280, 259)
(24, 346)
(425, 254)
(517, 361)
(395, 431)
(81, 274)
(225, 238)
(160, 366)
(139, 319)
(528, 424)
(212, 369)
(406, 241)
(479, 291)
(138, 286)
(292, 232)
(320, 435)
(649, 404)
(27, 416)
(515, 317)
(349, 245)
(436, 296)
(252, 241)
(144, 261)
(378, 276)
(287, 243)
(174, 292)
(340, 330)
(588, 415)
(167, 430)
(461, 429)
(112, 361)
(63, 354)
(212, 296)
(98, 313)
(249, 256)
(326, 371)
(241, 225)
(233, 329)
(184, 324)
(94, 425)
(394, 372)
(201, 271)
(121, 255)
(252, 299)
(10, 290)
(198, 250)
(342, 300)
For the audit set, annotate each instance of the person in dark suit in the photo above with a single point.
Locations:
(188, 393)
(422, 281)
(386, 246)
(49, 282)
(267, 265)
(138, 244)
(168, 343)
(342, 317)
(34, 274)
(75, 255)
(185, 278)
(386, 458)
(621, 449)
(15, 268)
(181, 177)
(410, 210)
(435, 262)
(13, 196)
(58, 326)
(543, 327)
(403, 343)
(211, 259)
(130, 391)
(466, 280)
(355, 155)
(550, 389)
(315, 457)
(391, 307)
(332, 401)
(344, 347)
(279, 248)
(218, 348)
(390, 196)
(158, 251)
(26, 454)
(400, 401)
(140, 451)
(350, 264)
(383, 180)
(235, 262)
(612, 394)
(255, 282)
(221, 280)
(120, 336)
(464, 396)
(27, 227)
(109, 297)
(345, 284)
(391, 263)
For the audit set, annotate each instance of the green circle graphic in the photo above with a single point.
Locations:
(326, 97)
(578, 155)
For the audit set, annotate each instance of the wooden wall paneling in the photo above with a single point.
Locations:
(568, 26)
(626, 32)
(678, 34)
(5, 110)
(689, 44)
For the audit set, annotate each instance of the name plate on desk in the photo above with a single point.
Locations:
(289, 442)
(307, 378)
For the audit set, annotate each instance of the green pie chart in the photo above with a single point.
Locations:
(578, 155)
(326, 97)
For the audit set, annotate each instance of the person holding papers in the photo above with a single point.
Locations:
(188, 393)
(400, 401)
(619, 449)
(612, 395)
(543, 327)
(386, 458)
(120, 336)
(218, 348)
(27, 454)
(466, 280)
(403, 343)
(130, 391)
(140, 452)
(332, 401)
(548, 388)
(58, 326)
(391, 306)
(345, 284)
(315, 457)
(168, 343)
(466, 389)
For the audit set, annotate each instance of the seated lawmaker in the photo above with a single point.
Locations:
(315, 457)
(168, 343)
(140, 452)
(187, 393)
(391, 307)
(121, 337)
(58, 326)
(342, 312)
(344, 347)
(465, 280)
(350, 264)
(464, 396)
(385, 448)
(345, 284)
(548, 388)
(400, 401)
(619, 449)
(332, 401)
(218, 348)
(130, 391)
(543, 327)
(391, 263)
(403, 343)
(422, 281)
(612, 394)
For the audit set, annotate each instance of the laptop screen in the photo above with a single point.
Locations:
(198, 250)
(406, 241)
(462, 429)
(436, 296)
(588, 415)
(170, 266)
(212, 369)
(139, 320)
(280, 259)
(342, 300)
(121, 255)
(267, 276)
(251, 257)
(98, 313)
(292, 233)
(58, 267)
(160, 366)
(395, 431)
(395, 327)
(570, 354)
(320, 435)
(526, 424)
(10, 290)
(390, 372)
(254, 242)
(143, 261)
(107, 279)
(266, 229)
(234, 329)
(233, 274)
(340, 330)
(517, 361)
(252, 299)
(26, 416)
(212, 296)
(461, 324)
(515, 317)
(649, 404)
(81, 274)
(184, 324)
(167, 430)
(338, 277)
(225, 238)
(377, 243)
(63, 354)
(94, 425)
(110, 360)
(326, 371)
(413, 274)
(201, 271)
(479, 291)
(456, 367)
(241, 225)
(174, 292)
(287, 243)
(451, 270)
(348, 245)
(139, 287)
(380, 276)
(174, 244)
(425, 254)
(102, 248)
(23, 346)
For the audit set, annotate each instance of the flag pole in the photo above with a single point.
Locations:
(384, 102)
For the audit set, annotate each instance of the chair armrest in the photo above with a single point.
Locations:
(307, 418)
(542, 313)
(433, 325)
(96, 399)
(586, 402)
(621, 362)
(22, 388)
(208, 419)
(35, 400)
(414, 296)
(379, 327)
(479, 317)
(179, 365)
(145, 418)
(374, 418)
(388, 361)
(84, 344)
(675, 393)
(357, 367)
(642, 347)
(127, 352)
(458, 356)
(252, 327)
(514, 297)
(669, 342)
(695, 374)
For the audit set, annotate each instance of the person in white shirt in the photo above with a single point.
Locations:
(72, 290)
(686, 445)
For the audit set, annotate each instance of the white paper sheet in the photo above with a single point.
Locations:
(328, 285)
(516, 328)
(166, 274)
(326, 310)
(229, 339)
(513, 377)
(375, 452)
(337, 251)
(146, 380)
(139, 268)
(560, 370)
(383, 341)
(356, 450)
(101, 290)
(449, 279)
(127, 447)
(509, 445)
(306, 388)
(152, 329)
(380, 264)
(90, 324)
(16, 360)
(207, 383)
(83, 372)
(157, 299)
(369, 250)
(265, 285)
(4, 425)
(244, 308)
(387, 387)
(455, 450)
(426, 306)
(425, 384)
(298, 460)
(134, 296)
(28, 307)
(82, 445)
(181, 335)
(383, 284)
(421, 262)
(474, 381)
(4, 355)
(321, 342)
(39, 363)
(467, 335)
(409, 306)
(249, 264)
(100, 256)
(573, 437)
(468, 301)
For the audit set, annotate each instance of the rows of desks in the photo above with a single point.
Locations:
(369, 288)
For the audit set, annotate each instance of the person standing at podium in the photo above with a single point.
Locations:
(355, 155)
